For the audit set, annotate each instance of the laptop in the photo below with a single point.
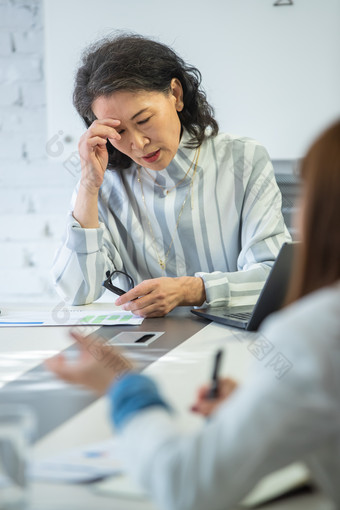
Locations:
(269, 301)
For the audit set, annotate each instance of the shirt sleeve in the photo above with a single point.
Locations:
(130, 395)
(278, 416)
(82, 260)
(262, 233)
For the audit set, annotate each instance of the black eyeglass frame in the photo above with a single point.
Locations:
(116, 290)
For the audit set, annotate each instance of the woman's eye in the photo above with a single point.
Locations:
(144, 121)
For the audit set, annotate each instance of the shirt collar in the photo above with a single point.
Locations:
(179, 166)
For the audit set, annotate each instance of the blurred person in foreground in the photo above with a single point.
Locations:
(267, 422)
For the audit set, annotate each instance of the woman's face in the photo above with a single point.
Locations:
(149, 127)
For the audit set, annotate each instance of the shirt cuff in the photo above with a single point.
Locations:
(83, 240)
(217, 288)
(132, 393)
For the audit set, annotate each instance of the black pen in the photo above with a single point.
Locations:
(213, 392)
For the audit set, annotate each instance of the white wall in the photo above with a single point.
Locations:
(272, 73)
(38, 171)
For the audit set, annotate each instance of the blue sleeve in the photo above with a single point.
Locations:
(130, 394)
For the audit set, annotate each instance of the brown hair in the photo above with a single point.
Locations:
(317, 260)
(133, 62)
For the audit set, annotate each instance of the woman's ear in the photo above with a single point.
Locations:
(177, 92)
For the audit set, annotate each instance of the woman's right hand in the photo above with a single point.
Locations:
(93, 152)
(206, 406)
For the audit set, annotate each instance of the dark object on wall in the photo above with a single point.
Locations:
(278, 3)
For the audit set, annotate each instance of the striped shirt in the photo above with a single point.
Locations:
(222, 222)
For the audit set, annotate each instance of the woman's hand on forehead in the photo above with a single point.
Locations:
(93, 151)
(111, 123)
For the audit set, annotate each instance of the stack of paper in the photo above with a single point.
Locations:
(70, 318)
(79, 465)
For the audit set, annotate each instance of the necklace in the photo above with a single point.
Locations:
(162, 261)
(167, 191)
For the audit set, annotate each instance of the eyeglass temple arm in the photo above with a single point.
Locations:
(113, 288)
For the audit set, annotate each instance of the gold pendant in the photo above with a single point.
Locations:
(162, 264)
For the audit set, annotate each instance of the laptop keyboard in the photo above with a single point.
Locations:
(240, 316)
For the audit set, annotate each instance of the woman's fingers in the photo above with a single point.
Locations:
(61, 368)
(206, 406)
(97, 136)
(97, 347)
(152, 298)
(93, 152)
(107, 122)
(226, 387)
(101, 128)
(147, 306)
(96, 140)
(203, 391)
(96, 367)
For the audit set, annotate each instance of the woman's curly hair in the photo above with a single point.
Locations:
(131, 62)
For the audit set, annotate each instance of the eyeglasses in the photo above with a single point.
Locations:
(123, 278)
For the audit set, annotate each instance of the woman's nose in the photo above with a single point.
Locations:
(138, 141)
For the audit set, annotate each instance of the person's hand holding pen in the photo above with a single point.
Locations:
(210, 396)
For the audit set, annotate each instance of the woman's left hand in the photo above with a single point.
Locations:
(96, 367)
(157, 297)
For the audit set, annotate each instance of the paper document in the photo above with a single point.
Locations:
(85, 464)
(70, 318)
(277, 484)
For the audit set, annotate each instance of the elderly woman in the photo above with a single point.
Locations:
(186, 213)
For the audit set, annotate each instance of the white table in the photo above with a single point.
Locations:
(179, 373)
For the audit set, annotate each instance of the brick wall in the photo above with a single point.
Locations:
(34, 190)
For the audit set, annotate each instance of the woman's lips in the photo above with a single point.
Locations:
(152, 156)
